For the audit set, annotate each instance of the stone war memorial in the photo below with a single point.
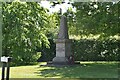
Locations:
(63, 45)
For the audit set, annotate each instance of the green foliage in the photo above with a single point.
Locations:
(47, 53)
(94, 18)
(25, 25)
(53, 26)
(87, 50)
(96, 50)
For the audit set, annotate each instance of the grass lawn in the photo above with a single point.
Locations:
(83, 70)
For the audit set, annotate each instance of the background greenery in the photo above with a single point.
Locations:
(25, 26)
(0, 30)
(29, 31)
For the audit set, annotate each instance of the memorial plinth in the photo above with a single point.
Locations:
(63, 44)
(63, 51)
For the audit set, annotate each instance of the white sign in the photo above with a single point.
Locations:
(4, 59)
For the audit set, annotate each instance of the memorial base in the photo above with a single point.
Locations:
(60, 60)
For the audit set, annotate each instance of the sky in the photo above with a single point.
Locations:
(64, 6)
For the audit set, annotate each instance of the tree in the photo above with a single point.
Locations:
(96, 18)
(25, 25)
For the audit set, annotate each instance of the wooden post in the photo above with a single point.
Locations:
(3, 71)
(8, 71)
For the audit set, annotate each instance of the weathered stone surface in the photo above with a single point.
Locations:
(63, 31)
(60, 60)
(63, 44)
(63, 47)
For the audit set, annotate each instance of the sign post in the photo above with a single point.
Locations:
(5, 61)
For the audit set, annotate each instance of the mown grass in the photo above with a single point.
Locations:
(83, 70)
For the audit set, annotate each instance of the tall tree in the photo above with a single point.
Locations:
(25, 25)
(96, 18)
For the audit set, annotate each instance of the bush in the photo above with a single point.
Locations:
(47, 54)
(87, 50)
(95, 50)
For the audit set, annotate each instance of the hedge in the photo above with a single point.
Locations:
(87, 50)
(96, 50)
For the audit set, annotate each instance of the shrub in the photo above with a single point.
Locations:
(87, 50)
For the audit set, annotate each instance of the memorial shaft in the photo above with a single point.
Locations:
(63, 44)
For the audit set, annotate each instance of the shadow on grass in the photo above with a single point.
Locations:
(92, 70)
(24, 64)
